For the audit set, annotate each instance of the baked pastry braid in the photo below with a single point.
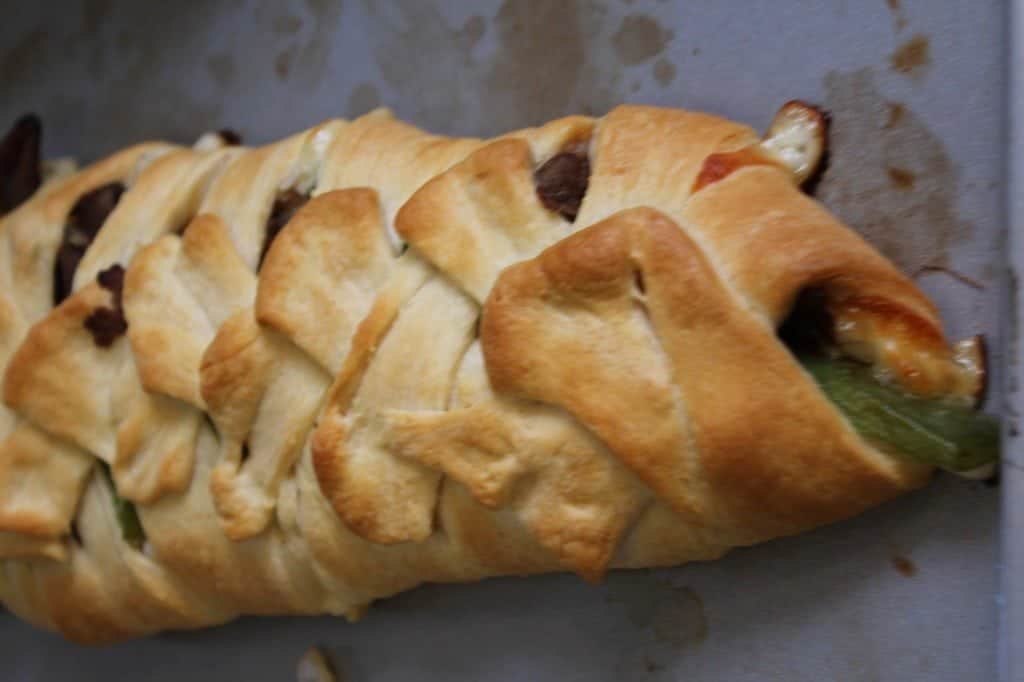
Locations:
(330, 369)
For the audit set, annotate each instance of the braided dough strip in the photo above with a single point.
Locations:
(159, 437)
(41, 479)
(517, 392)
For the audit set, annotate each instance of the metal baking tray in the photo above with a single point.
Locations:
(908, 591)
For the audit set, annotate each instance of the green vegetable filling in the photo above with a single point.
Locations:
(952, 437)
(127, 517)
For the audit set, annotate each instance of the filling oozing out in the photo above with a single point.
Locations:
(83, 224)
(286, 205)
(230, 137)
(125, 512)
(798, 137)
(106, 324)
(941, 432)
(20, 166)
(211, 141)
(562, 180)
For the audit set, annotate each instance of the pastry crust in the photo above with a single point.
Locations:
(430, 373)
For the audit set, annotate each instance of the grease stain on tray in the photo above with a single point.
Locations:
(903, 565)
(305, 61)
(283, 63)
(913, 57)
(896, 112)
(471, 32)
(548, 60)
(901, 178)
(913, 222)
(954, 274)
(639, 38)
(673, 614)
(664, 72)
(1013, 342)
(413, 45)
(286, 24)
(541, 57)
(899, 16)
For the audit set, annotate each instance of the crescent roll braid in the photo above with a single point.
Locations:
(303, 377)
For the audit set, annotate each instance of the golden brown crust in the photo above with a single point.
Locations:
(717, 417)
(434, 374)
(60, 347)
(165, 196)
(757, 214)
(323, 267)
(243, 194)
(41, 479)
(177, 292)
(484, 214)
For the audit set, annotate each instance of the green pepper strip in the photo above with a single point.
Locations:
(951, 437)
(127, 517)
(948, 436)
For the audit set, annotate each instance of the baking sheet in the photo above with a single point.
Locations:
(1011, 600)
(907, 591)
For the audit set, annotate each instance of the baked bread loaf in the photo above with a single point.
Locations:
(299, 378)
